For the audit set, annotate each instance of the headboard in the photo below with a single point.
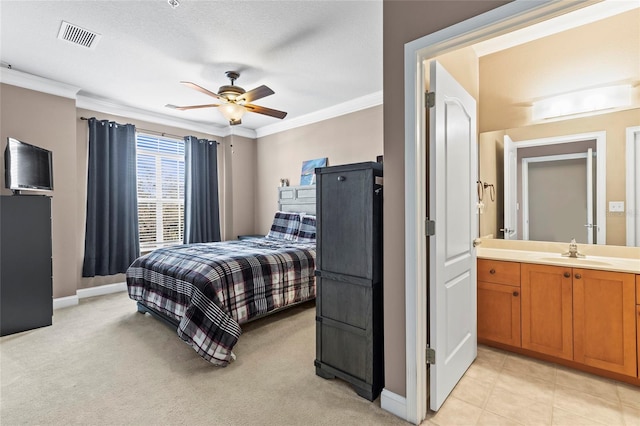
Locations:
(300, 199)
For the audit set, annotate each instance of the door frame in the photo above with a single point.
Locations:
(633, 216)
(601, 171)
(504, 19)
(525, 182)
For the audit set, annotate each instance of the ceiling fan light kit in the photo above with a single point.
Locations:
(235, 100)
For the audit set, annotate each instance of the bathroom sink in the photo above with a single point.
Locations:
(575, 261)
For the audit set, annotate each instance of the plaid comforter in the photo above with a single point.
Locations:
(212, 288)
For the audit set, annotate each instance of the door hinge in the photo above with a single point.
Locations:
(430, 356)
(430, 99)
(429, 227)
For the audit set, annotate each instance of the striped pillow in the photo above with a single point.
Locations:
(307, 233)
(285, 226)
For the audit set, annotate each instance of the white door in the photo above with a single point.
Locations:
(452, 257)
(510, 229)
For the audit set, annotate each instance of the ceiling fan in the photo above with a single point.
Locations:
(234, 100)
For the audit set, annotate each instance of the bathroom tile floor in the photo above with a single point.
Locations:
(502, 388)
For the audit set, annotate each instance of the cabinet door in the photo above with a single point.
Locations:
(604, 320)
(346, 223)
(638, 333)
(499, 313)
(547, 309)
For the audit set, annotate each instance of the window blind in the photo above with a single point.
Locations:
(160, 167)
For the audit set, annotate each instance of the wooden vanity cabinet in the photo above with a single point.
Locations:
(547, 296)
(499, 302)
(590, 318)
(638, 321)
(604, 320)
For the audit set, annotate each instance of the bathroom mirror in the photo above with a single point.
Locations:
(571, 173)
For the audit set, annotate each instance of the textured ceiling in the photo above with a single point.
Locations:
(313, 54)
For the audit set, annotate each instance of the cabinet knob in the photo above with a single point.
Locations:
(567, 275)
(515, 294)
(492, 271)
(341, 178)
(578, 276)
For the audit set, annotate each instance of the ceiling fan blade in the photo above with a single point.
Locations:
(184, 108)
(201, 89)
(255, 94)
(266, 111)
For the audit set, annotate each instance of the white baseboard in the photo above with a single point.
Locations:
(65, 302)
(101, 290)
(393, 403)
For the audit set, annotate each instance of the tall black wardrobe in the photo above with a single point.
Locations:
(349, 338)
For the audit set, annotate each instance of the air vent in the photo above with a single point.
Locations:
(79, 36)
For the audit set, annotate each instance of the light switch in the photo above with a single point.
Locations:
(616, 206)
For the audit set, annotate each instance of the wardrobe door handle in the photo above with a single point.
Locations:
(515, 294)
(567, 275)
(578, 276)
(492, 271)
(341, 178)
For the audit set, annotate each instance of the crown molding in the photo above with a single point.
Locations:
(33, 82)
(348, 107)
(37, 83)
(241, 131)
(109, 107)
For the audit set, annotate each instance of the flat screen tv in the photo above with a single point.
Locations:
(27, 167)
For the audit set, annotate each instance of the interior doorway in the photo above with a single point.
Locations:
(500, 21)
(589, 226)
(557, 198)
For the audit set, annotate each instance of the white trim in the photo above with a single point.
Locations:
(597, 12)
(633, 216)
(525, 182)
(502, 20)
(83, 293)
(601, 171)
(109, 107)
(37, 83)
(393, 403)
(344, 108)
(65, 302)
(101, 290)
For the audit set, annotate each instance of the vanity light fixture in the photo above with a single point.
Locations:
(582, 101)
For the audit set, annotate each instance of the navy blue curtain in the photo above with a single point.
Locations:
(111, 240)
(201, 205)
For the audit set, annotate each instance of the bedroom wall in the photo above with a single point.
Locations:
(351, 138)
(242, 163)
(404, 21)
(53, 122)
(48, 121)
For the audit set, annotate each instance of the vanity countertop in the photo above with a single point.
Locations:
(603, 257)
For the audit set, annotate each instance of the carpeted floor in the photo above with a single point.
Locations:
(101, 363)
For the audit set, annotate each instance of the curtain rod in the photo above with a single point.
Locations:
(152, 131)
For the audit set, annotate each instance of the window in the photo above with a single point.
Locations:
(160, 168)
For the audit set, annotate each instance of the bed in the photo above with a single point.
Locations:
(208, 290)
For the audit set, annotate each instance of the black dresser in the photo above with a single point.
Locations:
(349, 338)
(25, 263)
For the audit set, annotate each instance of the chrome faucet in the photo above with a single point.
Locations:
(573, 250)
